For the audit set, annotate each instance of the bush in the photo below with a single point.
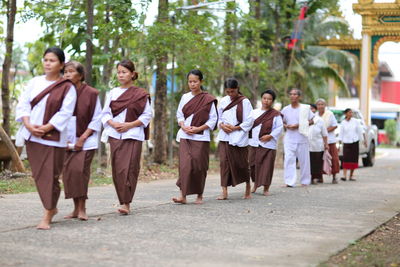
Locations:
(391, 130)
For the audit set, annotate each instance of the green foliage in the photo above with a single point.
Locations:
(390, 127)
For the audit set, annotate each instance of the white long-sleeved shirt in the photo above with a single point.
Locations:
(331, 122)
(315, 137)
(292, 116)
(59, 120)
(277, 128)
(350, 131)
(136, 133)
(212, 120)
(238, 138)
(95, 124)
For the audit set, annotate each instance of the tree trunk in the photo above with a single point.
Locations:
(230, 38)
(17, 163)
(160, 114)
(89, 43)
(5, 85)
(254, 75)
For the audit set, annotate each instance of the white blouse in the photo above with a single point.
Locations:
(95, 124)
(317, 131)
(277, 128)
(59, 120)
(212, 120)
(332, 122)
(350, 131)
(136, 133)
(292, 116)
(240, 137)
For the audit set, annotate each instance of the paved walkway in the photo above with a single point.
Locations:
(292, 227)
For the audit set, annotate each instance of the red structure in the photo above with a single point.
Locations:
(390, 92)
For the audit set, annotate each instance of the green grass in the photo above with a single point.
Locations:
(18, 185)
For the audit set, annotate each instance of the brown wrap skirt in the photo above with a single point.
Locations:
(125, 162)
(264, 162)
(234, 165)
(76, 173)
(335, 158)
(46, 164)
(193, 166)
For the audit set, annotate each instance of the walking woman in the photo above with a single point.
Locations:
(125, 117)
(264, 138)
(318, 143)
(83, 130)
(331, 124)
(234, 123)
(197, 116)
(45, 108)
(350, 135)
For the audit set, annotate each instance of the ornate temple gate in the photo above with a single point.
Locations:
(381, 23)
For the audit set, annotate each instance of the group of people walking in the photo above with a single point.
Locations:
(62, 118)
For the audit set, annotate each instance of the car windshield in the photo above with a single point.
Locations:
(338, 114)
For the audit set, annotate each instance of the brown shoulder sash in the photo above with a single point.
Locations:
(200, 107)
(134, 99)
(239, 110)
(85, 107)
(266, 119)
(57, 91)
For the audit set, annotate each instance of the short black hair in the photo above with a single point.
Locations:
(347, 110)
(270, 92)
(56, 51)
(231, 83)
(197, 73)
(313, 106)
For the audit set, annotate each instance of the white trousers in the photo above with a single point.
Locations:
(300, 151)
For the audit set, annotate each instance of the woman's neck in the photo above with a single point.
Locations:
(196, 91)
(52, 76)
(78, 84)
(265, 108)
(126, 85)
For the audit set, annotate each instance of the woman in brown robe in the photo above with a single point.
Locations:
(234, 123)
(83, 140)
(264, 136)
(126, 116)
(45, 108)
(197, 116)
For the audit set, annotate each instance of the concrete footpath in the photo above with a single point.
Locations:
(292, 227)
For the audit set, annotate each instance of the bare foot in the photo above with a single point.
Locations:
(247, 196)
(222, 197)
(199, 201)
(73, 215)
(82, 216)
(179, 200)
(266, 193)
(123, 211)
(304, 185)
(46, 220)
